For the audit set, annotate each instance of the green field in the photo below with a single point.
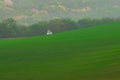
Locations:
(87, 54)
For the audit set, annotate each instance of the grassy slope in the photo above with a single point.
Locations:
(87, 54)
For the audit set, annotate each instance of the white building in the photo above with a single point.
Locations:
(49, 32)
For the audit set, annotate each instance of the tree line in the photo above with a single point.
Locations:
(10, 29)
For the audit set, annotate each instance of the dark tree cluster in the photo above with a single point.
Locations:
(10, 29)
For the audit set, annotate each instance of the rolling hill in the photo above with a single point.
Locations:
(32, 11)
(87, 54)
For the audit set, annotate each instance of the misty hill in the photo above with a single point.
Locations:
(30, 11)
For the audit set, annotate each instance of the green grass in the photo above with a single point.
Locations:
(87, 54)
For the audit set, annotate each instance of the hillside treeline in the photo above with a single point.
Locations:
(10, 29)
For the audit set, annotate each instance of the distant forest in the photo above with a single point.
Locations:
(10, 29)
